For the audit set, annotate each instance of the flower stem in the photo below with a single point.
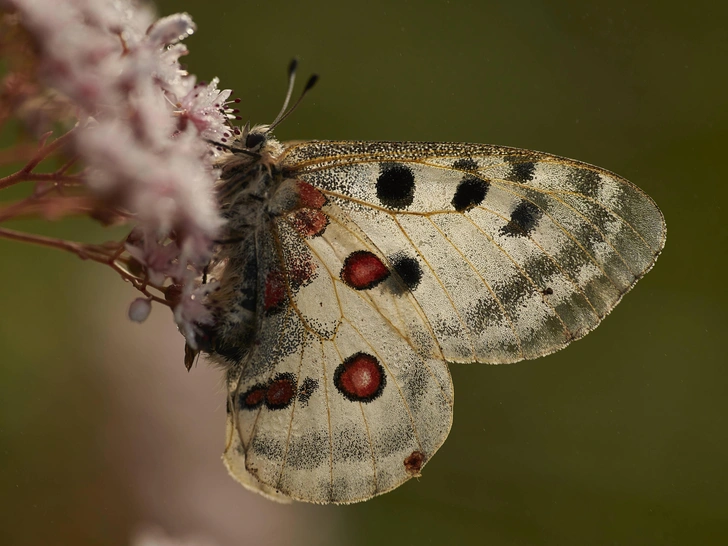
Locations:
(108, 254)
(26, 174)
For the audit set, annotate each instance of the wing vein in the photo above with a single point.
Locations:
(551, 258)
(487, 285)
(502, 184)
(437, 278)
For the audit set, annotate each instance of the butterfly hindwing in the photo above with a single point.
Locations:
(344, 395)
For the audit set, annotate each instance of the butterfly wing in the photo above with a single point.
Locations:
(510, 254)
(337, 401)
(382, 261)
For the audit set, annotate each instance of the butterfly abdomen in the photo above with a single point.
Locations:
(234, 304)
(263, 208)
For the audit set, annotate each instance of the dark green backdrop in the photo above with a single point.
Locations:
(619, 439)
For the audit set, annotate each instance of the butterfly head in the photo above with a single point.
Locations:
(253, 140)
(251, 149)
(257, 143)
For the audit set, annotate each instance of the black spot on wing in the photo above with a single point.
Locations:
(408, 269)
(268, 448)
(541, 269)
(308, 451)
(394, 438)
(470, 193)
(350, 445)
(513, 293)
(465, 164)
(396, 186)
(524, 220)
(415, 382)
(521, 172)
(307, 388)
(484, 312)
(585, 181)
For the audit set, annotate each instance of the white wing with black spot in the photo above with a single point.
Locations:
(515, 253)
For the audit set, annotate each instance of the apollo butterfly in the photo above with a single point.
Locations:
(354, 271)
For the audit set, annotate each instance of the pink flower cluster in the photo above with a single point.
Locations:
(144, 131)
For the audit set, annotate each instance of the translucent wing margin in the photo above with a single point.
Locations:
(510, 254)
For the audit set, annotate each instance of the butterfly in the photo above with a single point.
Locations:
(353, 272)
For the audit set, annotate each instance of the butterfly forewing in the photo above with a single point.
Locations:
(519, 252)
(372, 264)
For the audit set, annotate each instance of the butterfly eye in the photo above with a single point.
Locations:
(254, 139)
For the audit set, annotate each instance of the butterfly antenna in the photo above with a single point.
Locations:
(289, 92)
(283, 115)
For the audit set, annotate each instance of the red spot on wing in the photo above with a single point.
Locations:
(309, 197)
(275, 290)
(309, 222)
(253, 398)
(301, 266)
(302, 272)
(281, 391)
(360, 378)
(413, 463)
(363, 270)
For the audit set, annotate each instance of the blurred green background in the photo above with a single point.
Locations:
(619, 439)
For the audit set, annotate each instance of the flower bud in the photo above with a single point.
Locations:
(139, 309)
